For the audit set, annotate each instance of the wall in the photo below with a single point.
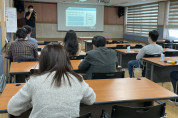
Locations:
(46, 24)
(46, 30)
(160, 27)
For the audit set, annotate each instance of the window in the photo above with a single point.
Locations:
(142, 19)
(173, 20)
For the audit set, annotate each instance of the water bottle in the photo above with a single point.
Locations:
(128, 48)
(162, 57)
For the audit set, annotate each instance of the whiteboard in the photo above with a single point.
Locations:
(11, 20)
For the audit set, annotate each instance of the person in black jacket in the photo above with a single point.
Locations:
(100, 59)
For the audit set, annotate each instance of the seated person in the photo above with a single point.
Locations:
(55, 91)
(71, 43)
(100, 59)
(150, 49)
(174, 80)
(22, 49)
(30, 39)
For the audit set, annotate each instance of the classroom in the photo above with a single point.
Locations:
(89, 59)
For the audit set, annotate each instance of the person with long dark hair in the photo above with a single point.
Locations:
(71, 43)
(55, 91)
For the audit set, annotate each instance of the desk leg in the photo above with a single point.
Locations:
(146, 69)
(14, 78)
(7, 67)
(152, 71)
(120, 55)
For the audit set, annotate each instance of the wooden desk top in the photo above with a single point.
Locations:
(41, 46)
(135, 51)
(132, 51)
(114, 45)
(111, 90)
(25, 67)
(156, 60)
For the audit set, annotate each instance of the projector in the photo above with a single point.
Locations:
(104, 1)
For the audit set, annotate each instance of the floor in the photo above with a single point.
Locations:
(171, 109)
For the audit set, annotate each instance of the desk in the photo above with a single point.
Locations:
(111, 91)
(125, 57)
(25, 67)
(114, 45)
(160, 71)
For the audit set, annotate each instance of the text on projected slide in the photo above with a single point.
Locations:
(84, 17)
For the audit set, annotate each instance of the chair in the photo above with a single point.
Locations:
(85, 116)
(171, 54)
(108, 75)
(138, 46)
(153, 55)
(33, 71)
(146, 56)
(157, 111)
(115, 42)
(24, 60)
(122, 46)
(168, 44)
(77, 57)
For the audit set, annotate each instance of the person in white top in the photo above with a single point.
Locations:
(150, 49)
(55, 91)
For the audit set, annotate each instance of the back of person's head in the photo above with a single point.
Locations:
(54, 58)
(154, 35)
(30, 7)
(71, 42)
(21, 33)
(99, 41)
(28, 29)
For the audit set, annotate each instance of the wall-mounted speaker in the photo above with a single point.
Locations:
(120, 11)
(19, 4)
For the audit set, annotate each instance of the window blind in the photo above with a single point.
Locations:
(173, 14)
(142, 19)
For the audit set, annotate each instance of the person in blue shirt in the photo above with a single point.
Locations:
(30, 39)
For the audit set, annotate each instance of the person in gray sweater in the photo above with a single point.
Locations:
(100, 59)
(150, 49)
(55, 91)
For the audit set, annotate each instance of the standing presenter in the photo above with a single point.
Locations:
(31, 18)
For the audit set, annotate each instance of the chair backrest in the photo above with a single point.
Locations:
(85, 116)
(122, 46)
(171, 54)
(77, 57)
(153, 55)
(138, 112)
(108, 75)
(138, 46)
(115, 42)
(33, 71)
(24, 60)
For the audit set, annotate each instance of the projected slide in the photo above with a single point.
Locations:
(83, 17)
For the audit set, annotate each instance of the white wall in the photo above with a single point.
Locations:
(44, 30)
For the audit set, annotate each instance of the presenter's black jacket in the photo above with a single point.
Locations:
(99, 60)
(31, 21)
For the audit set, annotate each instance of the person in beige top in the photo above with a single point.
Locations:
(71, 43)
(55, 91)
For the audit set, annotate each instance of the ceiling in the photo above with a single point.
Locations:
(112, 3)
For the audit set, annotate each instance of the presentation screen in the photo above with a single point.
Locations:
(80, 17)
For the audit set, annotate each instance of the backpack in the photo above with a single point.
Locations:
(3, 81)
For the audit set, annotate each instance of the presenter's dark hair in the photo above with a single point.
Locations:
(30, 6)
(99, 41)
(21, 33)
(54, 58)
(154, 35)
(71, 43)
(28, 29)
